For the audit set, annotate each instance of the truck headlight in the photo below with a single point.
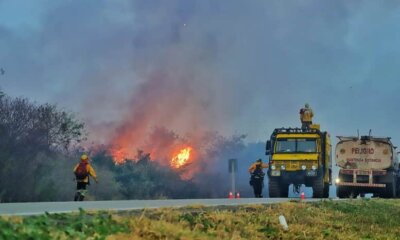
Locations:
(273, 167)
(314, 167)
(337, 180)
(304, 167)
(283, 167)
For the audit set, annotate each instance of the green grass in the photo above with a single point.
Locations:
(62, 226)
(353, 219)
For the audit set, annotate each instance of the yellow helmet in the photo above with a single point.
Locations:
(84, 157)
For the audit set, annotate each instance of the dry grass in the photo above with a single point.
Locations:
(357, 219)
(353, 219)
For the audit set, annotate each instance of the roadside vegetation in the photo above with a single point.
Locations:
(36, 141)
(41, 143)
(353, 219)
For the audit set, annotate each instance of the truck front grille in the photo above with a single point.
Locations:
(295, 165)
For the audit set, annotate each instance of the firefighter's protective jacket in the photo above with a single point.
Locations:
(306, 115)
(254, 166)
(91, 172)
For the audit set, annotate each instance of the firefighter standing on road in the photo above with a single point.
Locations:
(83, 171)
(257, 177)
(306, 115)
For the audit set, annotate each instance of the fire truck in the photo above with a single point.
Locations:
(299, 156)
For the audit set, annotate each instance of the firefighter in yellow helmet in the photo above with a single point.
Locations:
(257, 177)
(83, 171)
(306, 115)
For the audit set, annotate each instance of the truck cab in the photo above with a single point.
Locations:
(299, 156)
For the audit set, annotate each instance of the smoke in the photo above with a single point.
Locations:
(165, 100)
(175, 90)
(247, 67)
(193, 68)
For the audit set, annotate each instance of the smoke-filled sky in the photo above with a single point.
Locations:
(236, 67)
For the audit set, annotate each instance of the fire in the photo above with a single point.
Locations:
(181, 158)
(118, 154)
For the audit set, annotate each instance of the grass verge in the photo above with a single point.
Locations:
(353, 219)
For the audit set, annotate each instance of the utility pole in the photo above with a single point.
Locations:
(232, 164)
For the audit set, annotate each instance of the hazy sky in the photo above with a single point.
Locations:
(237, 66)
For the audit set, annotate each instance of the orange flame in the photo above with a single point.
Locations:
(119, 155)
(181, 158)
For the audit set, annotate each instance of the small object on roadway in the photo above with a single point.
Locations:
(283, 222)
(230, 195)
(302, 196)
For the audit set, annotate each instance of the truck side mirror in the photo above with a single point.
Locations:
(268, 148)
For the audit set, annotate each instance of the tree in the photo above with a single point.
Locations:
(32, 137)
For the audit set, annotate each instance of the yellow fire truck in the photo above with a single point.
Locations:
(299, 156)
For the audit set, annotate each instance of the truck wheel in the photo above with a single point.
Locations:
(274, 188)
(284, 190)
(318, 187)
(326, 190)
(398, 187)
(342, 192)
(390, 191)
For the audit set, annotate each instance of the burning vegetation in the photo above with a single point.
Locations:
(182, 158)
(178, 160)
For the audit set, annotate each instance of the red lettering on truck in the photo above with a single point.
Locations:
(362, 150)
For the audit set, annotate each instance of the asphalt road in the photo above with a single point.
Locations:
(65, 207)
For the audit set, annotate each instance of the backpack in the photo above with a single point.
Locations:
(81, 171)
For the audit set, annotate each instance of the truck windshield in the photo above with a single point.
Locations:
(296, 145)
